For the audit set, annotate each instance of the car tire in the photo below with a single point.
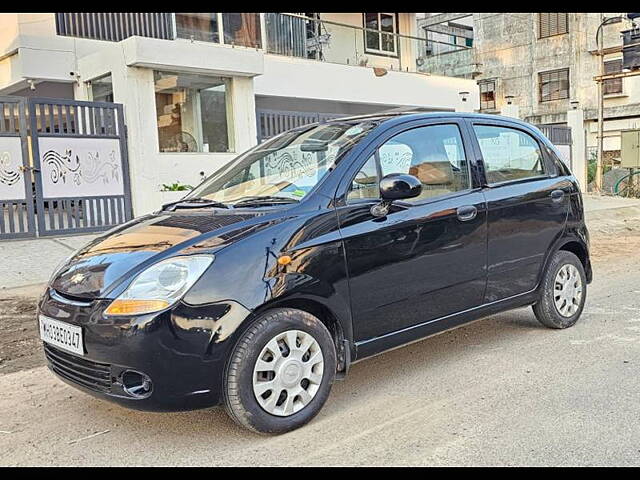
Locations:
(557, 309)
(244, 376)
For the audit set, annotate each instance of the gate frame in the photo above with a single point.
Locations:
(121, 136)
(23, 133)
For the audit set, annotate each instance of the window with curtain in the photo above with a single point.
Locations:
(197, 26)
(242, 29)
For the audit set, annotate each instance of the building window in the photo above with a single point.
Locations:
(554, 85)
(383, 40)
(198, 26)
(487, 95)
(191, 112)
(613, 85)
(241, 29)
(551, 24)
(102, 89)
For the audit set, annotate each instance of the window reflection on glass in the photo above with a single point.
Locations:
(287, 166)
(198, 26)
(365, 183)
(433, 154)
(508, 154)
(191, 112)
(102, 89)
(242, 29)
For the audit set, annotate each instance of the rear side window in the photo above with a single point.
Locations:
(509, 154)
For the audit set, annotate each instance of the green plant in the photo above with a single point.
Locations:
(175, 187)
(591, 169)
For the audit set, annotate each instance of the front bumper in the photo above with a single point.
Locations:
(182, 351)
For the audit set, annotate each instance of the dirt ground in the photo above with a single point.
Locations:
(613, 233)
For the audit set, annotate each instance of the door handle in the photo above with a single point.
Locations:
(466, 213)
(557, 195)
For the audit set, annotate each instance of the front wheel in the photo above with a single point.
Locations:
(280, 372)
(563, 291)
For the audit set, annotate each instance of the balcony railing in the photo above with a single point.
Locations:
(286, 34)
(115, 26)
(300, 36)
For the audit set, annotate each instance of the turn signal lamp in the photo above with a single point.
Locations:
(135, 307)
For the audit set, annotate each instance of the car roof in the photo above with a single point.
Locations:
(400, 117)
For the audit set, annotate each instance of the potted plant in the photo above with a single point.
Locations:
(173, 192)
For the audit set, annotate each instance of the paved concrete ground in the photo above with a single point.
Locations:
(28, 262)
(502, 391)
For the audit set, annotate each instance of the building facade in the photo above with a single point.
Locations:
(545, 64)
(198, 89)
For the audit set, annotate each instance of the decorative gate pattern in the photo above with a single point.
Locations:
(16, 193)
(80, 156)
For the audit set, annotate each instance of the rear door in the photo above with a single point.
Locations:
(527, 205)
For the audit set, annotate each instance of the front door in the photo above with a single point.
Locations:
(527, 205)
(427, 258)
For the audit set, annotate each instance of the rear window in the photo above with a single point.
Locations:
(509, 154)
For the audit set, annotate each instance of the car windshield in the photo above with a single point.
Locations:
(285, 168)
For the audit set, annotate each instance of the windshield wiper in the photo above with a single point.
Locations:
(264, 200)
(199, 202)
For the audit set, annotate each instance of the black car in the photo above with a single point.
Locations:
(322, 246)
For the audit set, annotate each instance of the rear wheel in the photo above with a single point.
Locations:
(563, 291)
(280, 372)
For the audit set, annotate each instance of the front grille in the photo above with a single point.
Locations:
(92, 375)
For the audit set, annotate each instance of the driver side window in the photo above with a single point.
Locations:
(434, 154)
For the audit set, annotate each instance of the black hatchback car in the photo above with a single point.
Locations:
(320, 247)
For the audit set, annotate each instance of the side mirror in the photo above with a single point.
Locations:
(395, 186)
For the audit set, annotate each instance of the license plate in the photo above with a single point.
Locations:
(61, 335)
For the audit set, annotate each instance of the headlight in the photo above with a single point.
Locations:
(160, 286)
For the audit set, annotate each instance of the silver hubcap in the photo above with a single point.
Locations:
(567, 290)
(288, 373)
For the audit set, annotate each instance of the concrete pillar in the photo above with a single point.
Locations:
(134, 88)
(242, 118)
(510, 111)
(575, 120)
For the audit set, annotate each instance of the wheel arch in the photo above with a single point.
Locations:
(340, 333)
(576, 246)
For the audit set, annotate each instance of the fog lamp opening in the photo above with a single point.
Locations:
(136, 384)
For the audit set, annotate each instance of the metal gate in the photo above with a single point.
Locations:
(80, 159)
(63, 167)
(16, 190)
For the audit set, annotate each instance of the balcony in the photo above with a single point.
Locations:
(378, 45)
